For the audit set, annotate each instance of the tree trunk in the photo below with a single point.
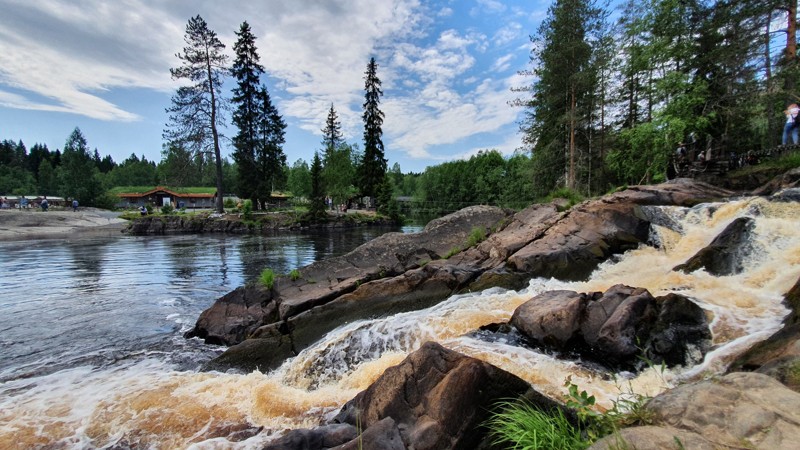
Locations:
(571, 177)
(215, 135)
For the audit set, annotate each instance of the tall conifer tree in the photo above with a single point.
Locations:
(373, 164)
(332, 133)
(270, 158)
(246, 98)
(196, 109)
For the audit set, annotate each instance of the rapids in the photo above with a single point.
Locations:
(150, 403)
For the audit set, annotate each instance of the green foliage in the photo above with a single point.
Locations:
(229, 203)
(572, 197)
(294, 275)
(267, 278)
(247, 210)
(520, 425)
(372, 169)
(167, 210)
(476, 236)
(316, 210)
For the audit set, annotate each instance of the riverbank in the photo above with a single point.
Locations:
(30, 224)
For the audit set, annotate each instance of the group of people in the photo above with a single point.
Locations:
(790, 130)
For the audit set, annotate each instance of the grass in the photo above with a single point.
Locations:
(294, 275)
(520, 425)
(267, 278)
(476, 236)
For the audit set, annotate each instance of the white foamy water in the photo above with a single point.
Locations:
(146, 402)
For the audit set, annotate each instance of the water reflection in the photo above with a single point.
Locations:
(100, 301)
(87, 264)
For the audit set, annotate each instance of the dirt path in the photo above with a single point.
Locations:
(57, 224)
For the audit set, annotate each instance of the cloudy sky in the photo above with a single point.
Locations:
(447, 67)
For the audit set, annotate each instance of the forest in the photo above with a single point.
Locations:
(610, 94)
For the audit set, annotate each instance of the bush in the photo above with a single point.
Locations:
(294, 274)
(167, 210)
(267, 278)
(229, 203)
(247, 210)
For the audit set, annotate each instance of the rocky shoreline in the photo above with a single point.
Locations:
(259, 223)
(438, 398)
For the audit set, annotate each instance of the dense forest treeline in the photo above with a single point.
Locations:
(607, 104)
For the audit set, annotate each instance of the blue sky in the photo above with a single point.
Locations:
(446, 67)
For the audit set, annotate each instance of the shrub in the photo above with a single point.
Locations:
(267, 278)
(294, 275)
(229, 203)
(167, 210)
(247, 210)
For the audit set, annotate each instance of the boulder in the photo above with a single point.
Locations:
(552, 318)
(738, 410)
(618, 321)
(725, 255)
(233, 317)
(680, 335)
(617, 327)
(438, 398)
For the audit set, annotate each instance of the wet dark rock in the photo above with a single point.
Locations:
(322, 437)
(616, 328)
(725, 255)
(235, 316)
(384, 435)
(438, 398)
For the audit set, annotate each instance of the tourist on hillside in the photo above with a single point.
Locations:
(790, 128)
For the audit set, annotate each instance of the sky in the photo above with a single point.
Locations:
(446, 66)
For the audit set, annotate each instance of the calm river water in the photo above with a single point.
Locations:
(94, 302)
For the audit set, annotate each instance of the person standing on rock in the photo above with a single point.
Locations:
(790, 128)
(44, 204)
(75, 205)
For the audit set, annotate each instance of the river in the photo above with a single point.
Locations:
(92, 353)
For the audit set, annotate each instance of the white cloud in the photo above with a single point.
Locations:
(503, 63)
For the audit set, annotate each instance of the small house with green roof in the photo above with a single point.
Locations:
(158, 196)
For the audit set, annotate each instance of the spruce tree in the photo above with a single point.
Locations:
(373, 164)
(196, 109)
(317, 208)
(246, 100)
(77, 175)
(331, 134)
(270, 159)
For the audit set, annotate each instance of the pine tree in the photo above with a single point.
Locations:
(246, 99)
(373, 164)
(560, 110)
(196, 110)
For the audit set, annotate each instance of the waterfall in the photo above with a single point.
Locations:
(147, 403)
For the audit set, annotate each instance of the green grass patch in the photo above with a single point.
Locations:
(572, 197)
(267, 278)
(476, 236)
(520, 425)
(294, 275)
